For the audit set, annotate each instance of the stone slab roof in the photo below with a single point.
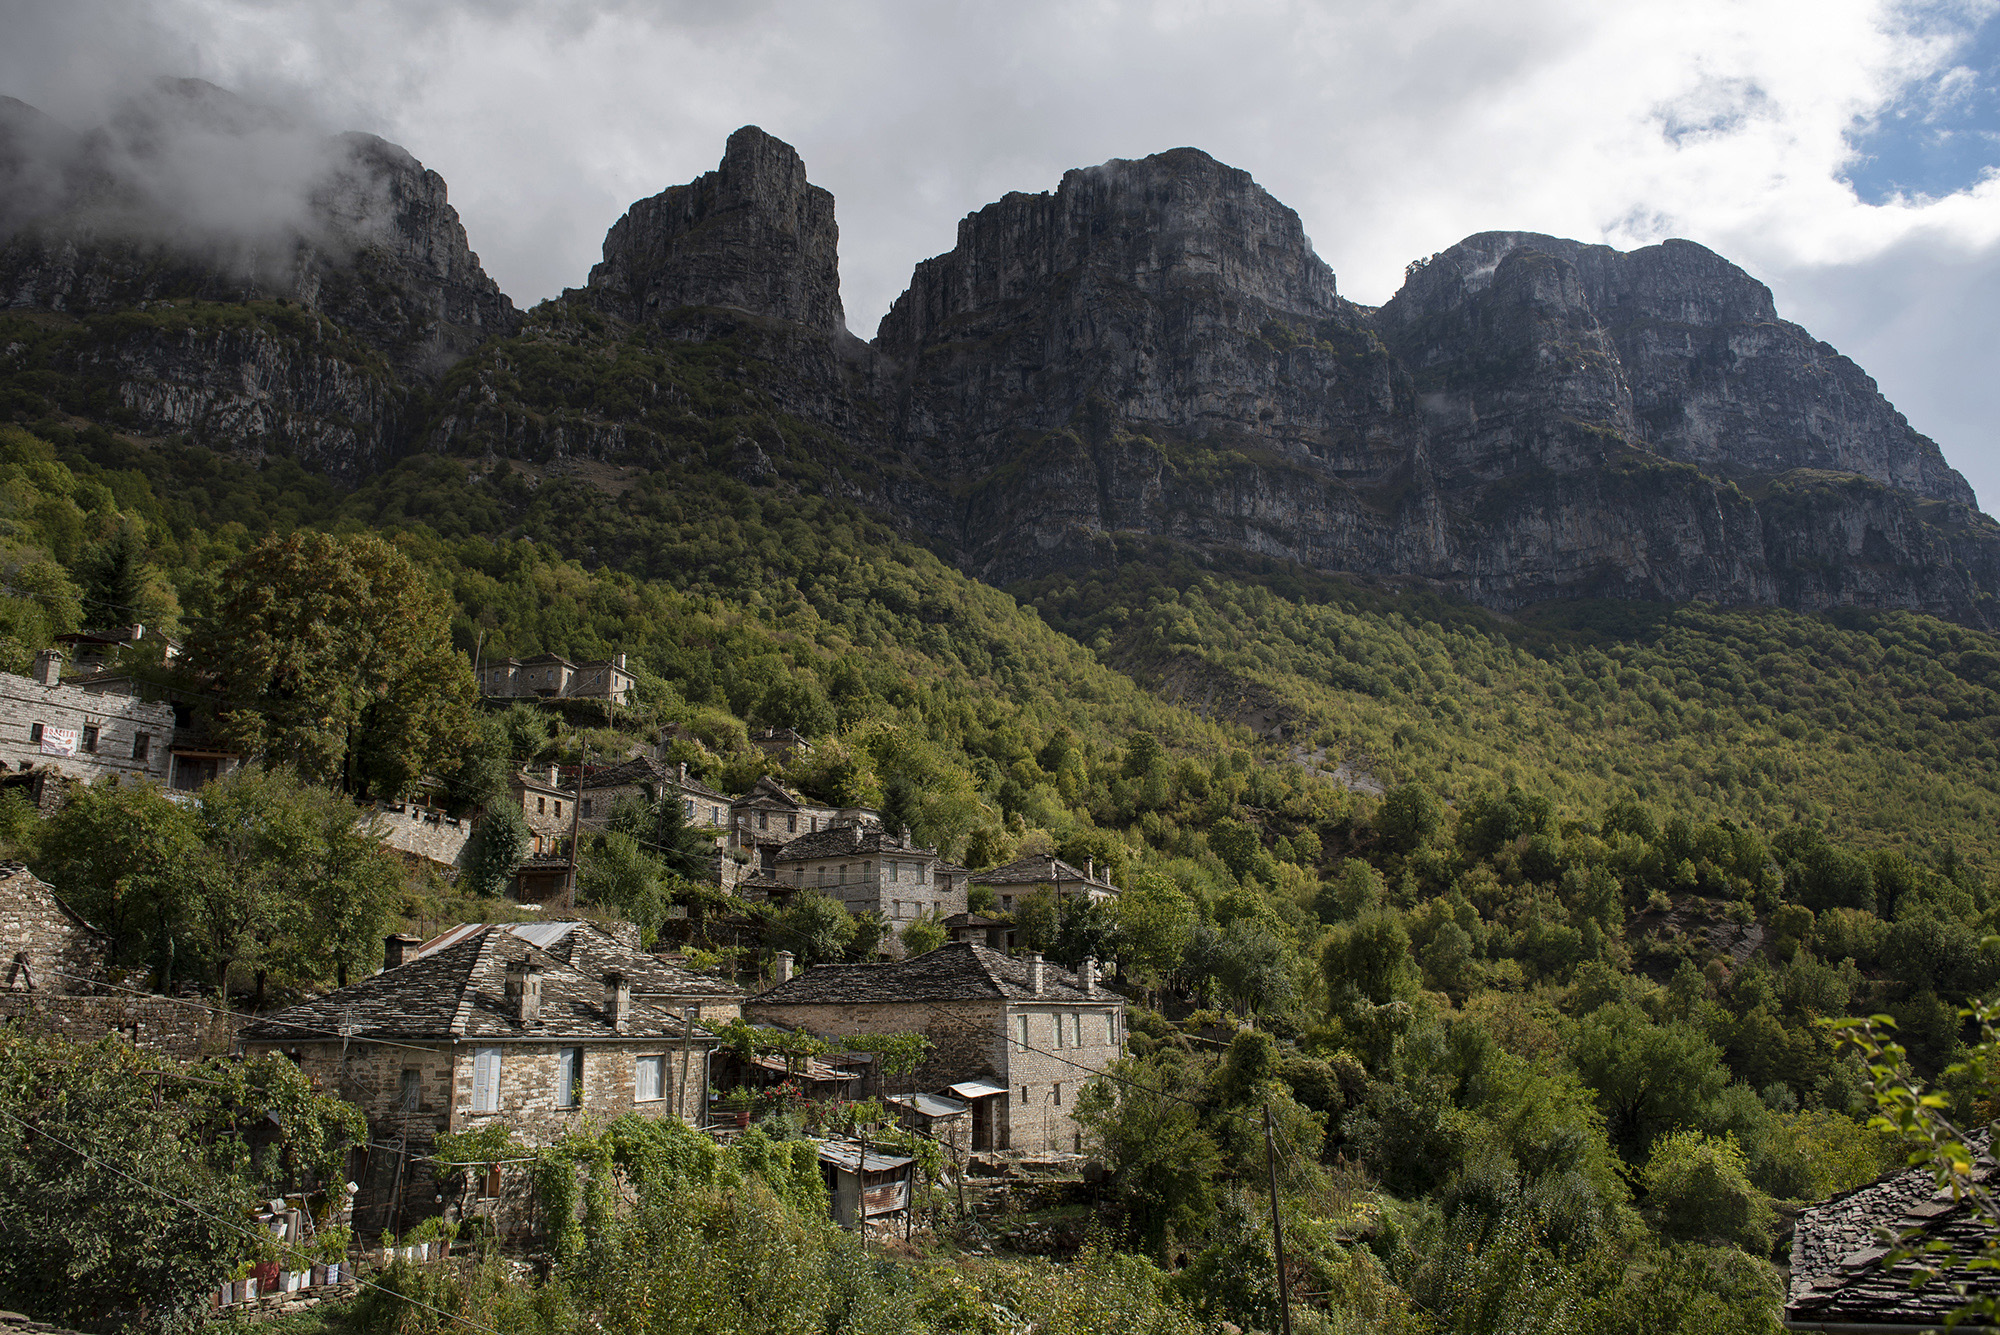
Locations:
(460, 991)
(1037, 869)
(959, 971)
(590, 950)
(848, 841)
(1838, 1276)
(638, 770)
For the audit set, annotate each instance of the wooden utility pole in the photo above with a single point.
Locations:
(687, 1063)
(1277, 1227)
(575, 814)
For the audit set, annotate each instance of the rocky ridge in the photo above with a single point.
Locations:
(1152, 348)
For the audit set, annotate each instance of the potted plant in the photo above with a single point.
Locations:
(736, 1105)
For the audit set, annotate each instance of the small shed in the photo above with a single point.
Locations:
(980, 1094)
(945, 1120)
(864, 1186)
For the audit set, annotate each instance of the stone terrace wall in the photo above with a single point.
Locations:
(161, 1024)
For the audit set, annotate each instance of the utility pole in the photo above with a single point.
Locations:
(1277, 1227)
(575, 814)
(687, 1062)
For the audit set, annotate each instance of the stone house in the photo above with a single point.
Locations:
(553, 677)
(58, 975)
(1022, 1035)
(1042, 871)
(545, 805)
(770, 816)
(1840, 1276)
(103, 650)
(491, 1025)
(48, 729)
(871, 871)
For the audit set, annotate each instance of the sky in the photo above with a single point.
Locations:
(1846, 152)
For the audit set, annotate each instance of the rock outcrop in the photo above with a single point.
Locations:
(753, 235)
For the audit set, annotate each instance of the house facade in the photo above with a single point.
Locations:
(769, 816)
(553, 677)
(1043, 871)
(48, 729)
(871, 870)
(490, 1025)
(1017, 1038)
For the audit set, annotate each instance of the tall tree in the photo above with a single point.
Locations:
(334, 655)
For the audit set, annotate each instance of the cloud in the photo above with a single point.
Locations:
(1394, 127)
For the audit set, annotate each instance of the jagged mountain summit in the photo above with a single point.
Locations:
(1150, 351)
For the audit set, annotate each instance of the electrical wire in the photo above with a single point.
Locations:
(256, 1234)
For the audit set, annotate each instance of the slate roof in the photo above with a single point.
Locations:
(592, 951)
(959, 971)
(1038, 869)
(847, 841)
(460, 991)
(640, 770)
(1838, 1277)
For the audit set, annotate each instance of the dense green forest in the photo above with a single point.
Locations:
(1523, 926)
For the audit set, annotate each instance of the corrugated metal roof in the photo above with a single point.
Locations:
(976, 1089)
(848, 1157)
(542, 935)
(931, 1105)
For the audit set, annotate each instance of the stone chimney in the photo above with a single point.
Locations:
(48, 667)
(617, 999)
(1090, 869)
(524, 991)
(619, 662)
(555, 775)
(399, 950)
(1086, 976)
(684, 771)
(781, 966)
(1035, 974)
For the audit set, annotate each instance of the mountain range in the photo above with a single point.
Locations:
(1150, 352)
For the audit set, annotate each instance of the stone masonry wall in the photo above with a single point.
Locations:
(118, 719)
(161, 1024)
(422, 833)
(43, 948)
(967, 1037)
(1044, 1078)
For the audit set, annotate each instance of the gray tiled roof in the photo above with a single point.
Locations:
(848, 841)
(461, 992)
(956, 972)
(1037, 869)
(1837, 1272)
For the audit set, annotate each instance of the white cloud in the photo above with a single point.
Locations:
(1394, 128)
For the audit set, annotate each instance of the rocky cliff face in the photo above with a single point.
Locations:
(751, 236)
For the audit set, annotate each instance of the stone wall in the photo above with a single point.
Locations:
(967, 1037)
(1044, 1078)
(44, 946)
(422, 833)
(162, 1024)
(119, 719)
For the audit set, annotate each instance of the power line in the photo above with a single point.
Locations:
(255, 1234)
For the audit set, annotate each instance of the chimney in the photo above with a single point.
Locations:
(617, 999)
(48, 667)
(781, 966)
(1035, 974)
(619, 662)
(1086, 976)
(399, 950)
(1090, 869)
(684, 772)
(555, 775)
(524, 990)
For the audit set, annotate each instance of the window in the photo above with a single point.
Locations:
(791, 825)
(586, 806)
(687, 807)
(1110, 1029)
(569, 1077)
(843, 873)
(558, 806)
(822, 873)
(486, 1080)
(1024, 1093)
(90, 738)
(867, 870)
(920, 873)
(541, 806)
(650, 1079)
(34, 732)
(142, 745)
(1058, 1093)
(407, 1089)
(895, 871)
(1058, 1017)
(763, 820)
(1021, 1032)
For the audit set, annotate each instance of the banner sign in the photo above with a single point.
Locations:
(58, 741)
